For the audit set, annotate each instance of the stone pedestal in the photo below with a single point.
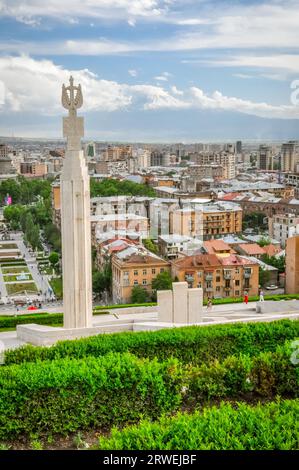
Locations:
(181, 305)
(195, 303)
(165, 306)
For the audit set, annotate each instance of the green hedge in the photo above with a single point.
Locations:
(194, 344)
(264, 427)
(224, 301)
(38, 318)
(265, 375)
(63, 396)
(110, 307)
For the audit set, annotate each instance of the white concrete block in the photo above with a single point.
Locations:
(180, 302)
(195, 305)
(165, 306)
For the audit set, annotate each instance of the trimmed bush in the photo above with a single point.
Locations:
(38, 318)
(110, 307)
(264, 427)
(62, 396)
(224, 301)
(265, 375)
(195, 344)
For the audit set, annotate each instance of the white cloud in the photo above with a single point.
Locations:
(102, 9)
(175, 91)
(157, 98)
(161, 78)
(133, 72)
(287, 62)
(218, 101)
(30, 85)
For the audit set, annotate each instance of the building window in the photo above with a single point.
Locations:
(135, 283)
(144, 282)
(144, 272)
(218, 279)
(237, 282)
(135, 272)
(237, 292)
(227, 294)
(237, 271)
(161, 270)
(154, 271)
(217, 288)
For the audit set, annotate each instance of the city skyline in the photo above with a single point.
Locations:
(152, 70)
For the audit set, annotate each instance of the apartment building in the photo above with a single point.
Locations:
(134, 266)
(283, 226)
(292, 265)
(34, 169)
(226, 159)
(207, 220)
(218, 276)
(265, 158)
(289, 156)
(126, 222)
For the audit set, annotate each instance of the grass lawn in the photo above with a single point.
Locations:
(56, 285)
(8, 246)
(15, 270)
(13, 277)
(20, 287)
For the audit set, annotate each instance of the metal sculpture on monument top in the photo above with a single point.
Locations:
(75, 217)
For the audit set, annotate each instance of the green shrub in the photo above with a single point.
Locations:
(265, 375)
(264, 427)
(64, 396)
(38, 318)
(194, 344)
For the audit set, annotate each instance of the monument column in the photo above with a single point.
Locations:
(75, 218)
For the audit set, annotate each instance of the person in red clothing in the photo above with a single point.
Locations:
(246, 298)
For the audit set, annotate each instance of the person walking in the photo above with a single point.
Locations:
(262, 296)
(209, 304)
(246, 297)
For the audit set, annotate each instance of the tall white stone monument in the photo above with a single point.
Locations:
(75, 217)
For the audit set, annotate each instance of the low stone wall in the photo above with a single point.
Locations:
(272, 306)
(129, 310)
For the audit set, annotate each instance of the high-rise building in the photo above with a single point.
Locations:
(289, 156)
(265, 157)
(239, 147)
(292, 265)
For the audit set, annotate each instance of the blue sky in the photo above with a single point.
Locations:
(151, 70)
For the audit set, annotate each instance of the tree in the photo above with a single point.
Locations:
(54, 258)
(149, 245)
(102, 280)
(264, 276)
(139, 295)
(162, 281)
(278, 263)
(264, 241)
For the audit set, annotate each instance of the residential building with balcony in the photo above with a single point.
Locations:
(134, 266)
(229, 276)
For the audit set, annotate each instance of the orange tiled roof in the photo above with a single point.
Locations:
(252, 249)
(197, 261)
(213, 246)
(272, 250)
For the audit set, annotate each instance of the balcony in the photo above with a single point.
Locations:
(209, 289)
(189, 278)
(247, 274)
(227, 287)
(209, 277)
(227, 275)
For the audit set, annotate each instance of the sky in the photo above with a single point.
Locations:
(152, 70)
